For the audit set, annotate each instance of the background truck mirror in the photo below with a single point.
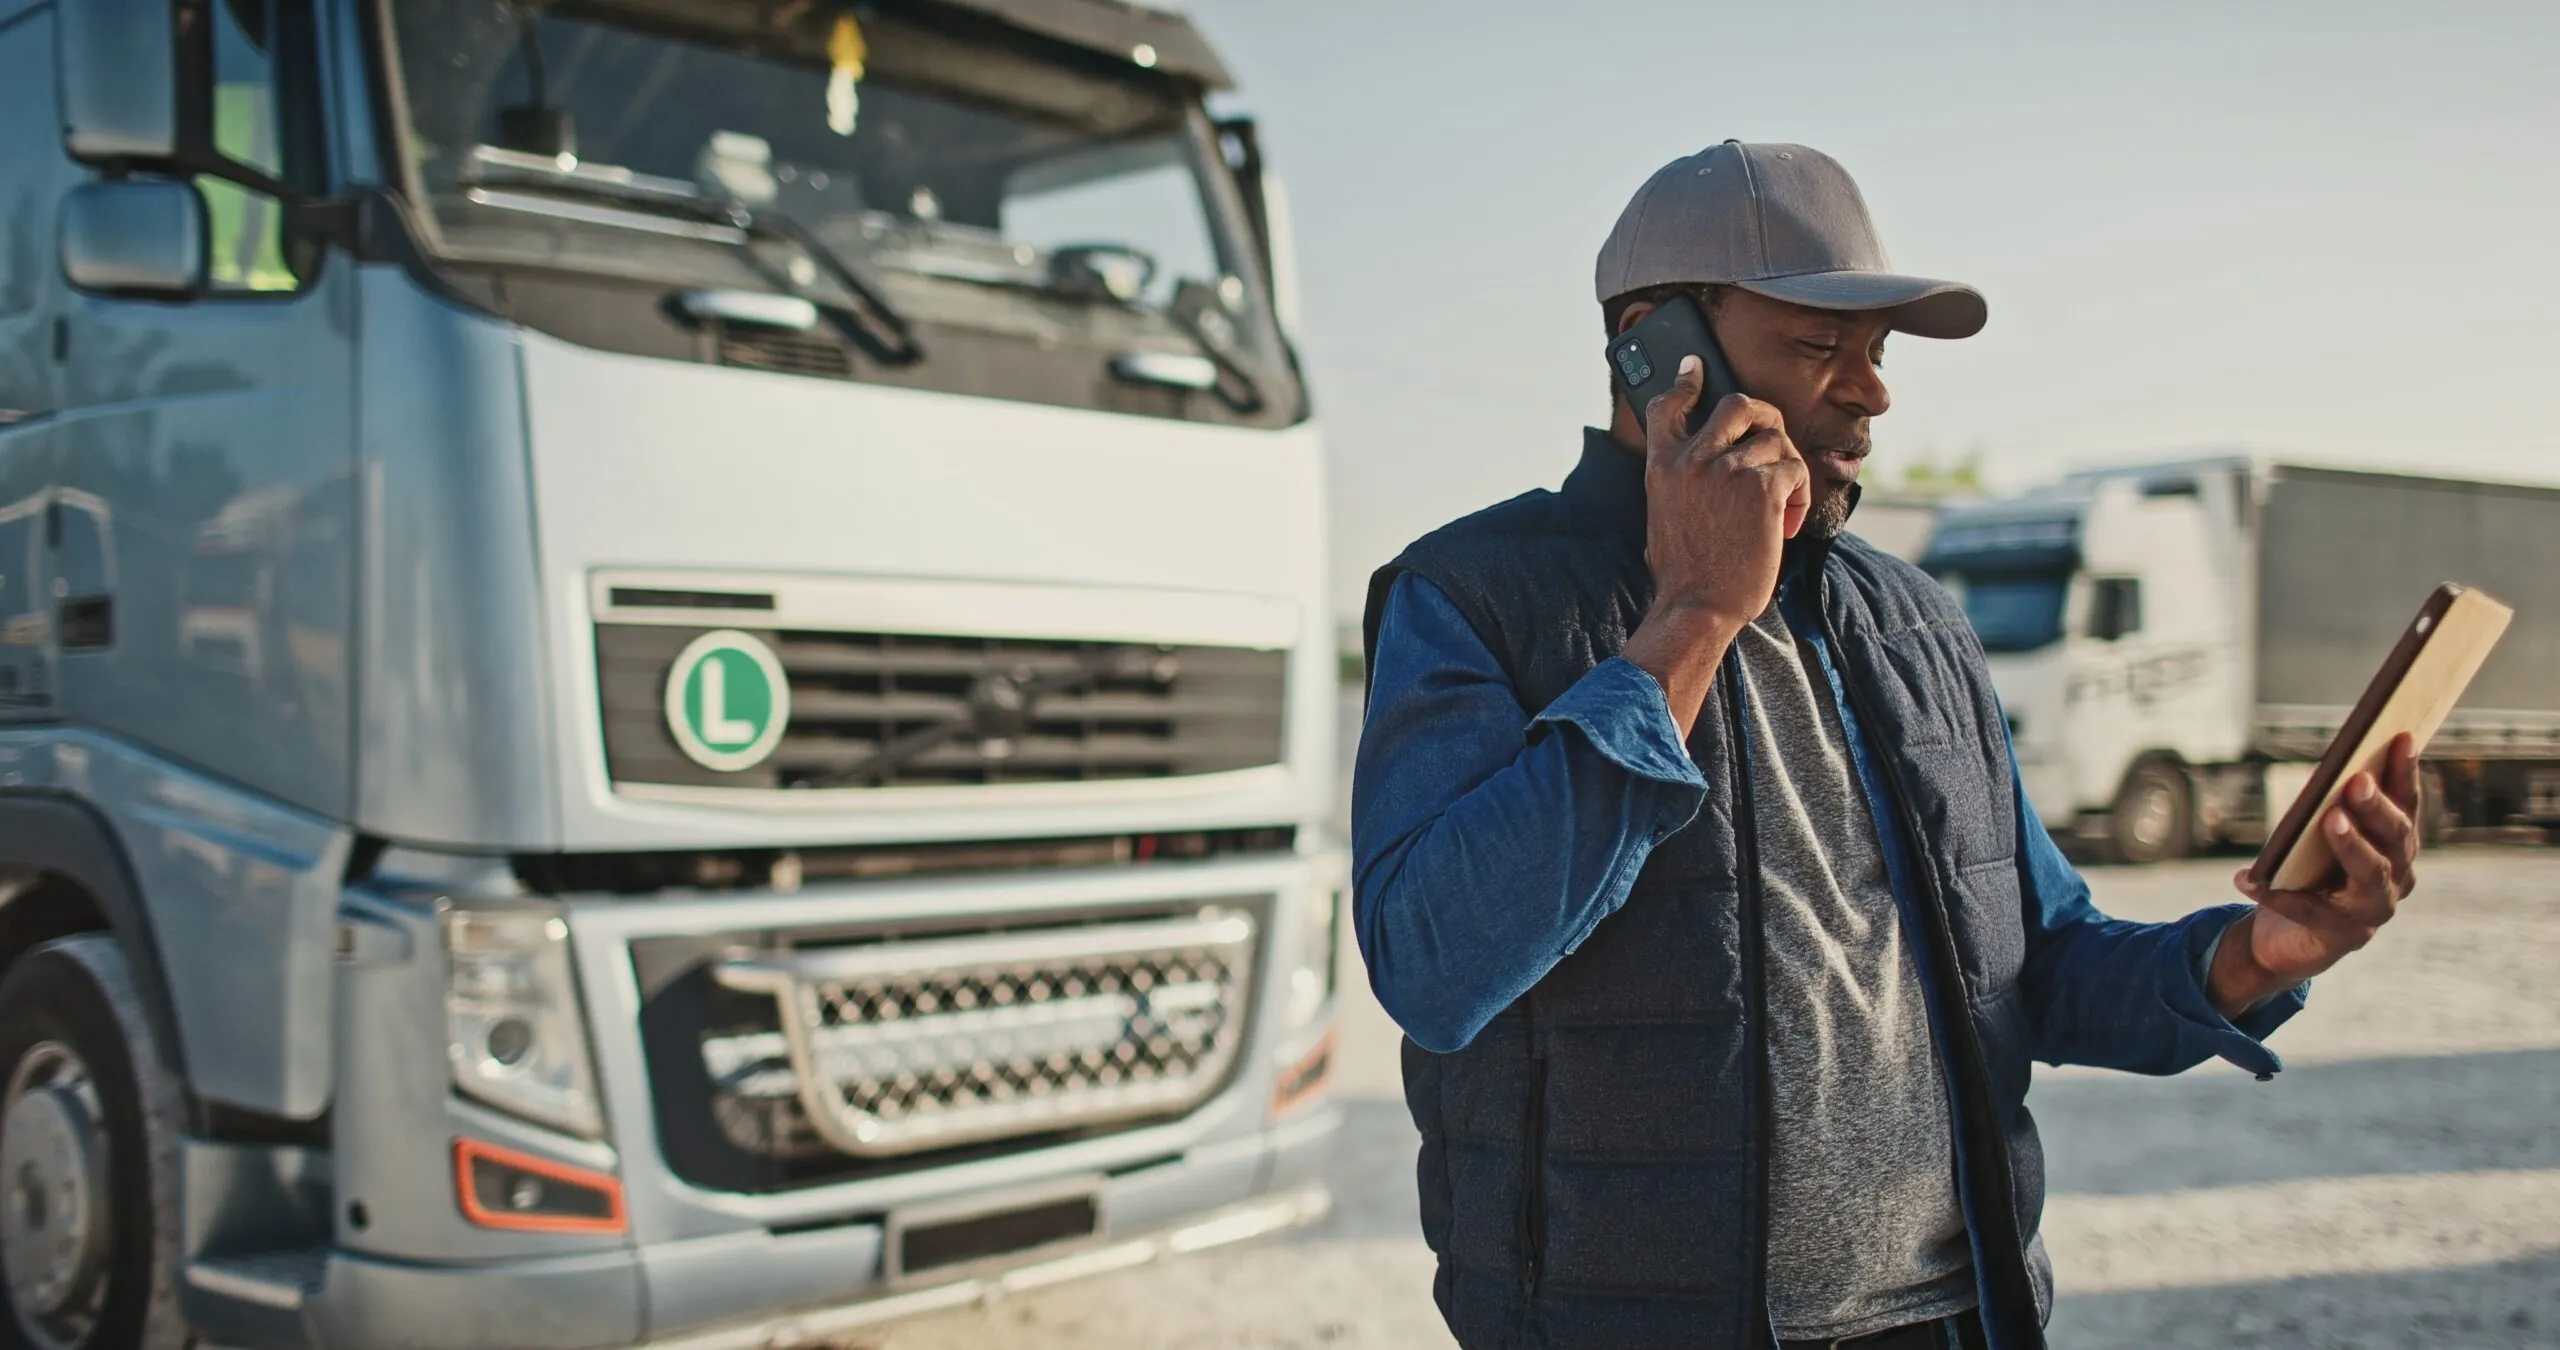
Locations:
(138, 237)
(119, 100)
(2115, 608)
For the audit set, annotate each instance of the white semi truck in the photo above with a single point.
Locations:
(2176, 643)
(663, 670)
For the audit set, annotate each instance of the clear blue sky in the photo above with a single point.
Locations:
(2330, 231)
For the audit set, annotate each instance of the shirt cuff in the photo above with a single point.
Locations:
(1620, 708)
(2237, 1039)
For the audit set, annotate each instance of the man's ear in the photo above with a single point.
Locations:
(1635, 314)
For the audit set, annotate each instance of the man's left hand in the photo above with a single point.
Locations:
(2294, 935)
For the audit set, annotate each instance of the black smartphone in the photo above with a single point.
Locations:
(1645, 359)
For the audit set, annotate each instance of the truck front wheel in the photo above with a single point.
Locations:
(89, 1126)
(2435, 809)
(2152, 820)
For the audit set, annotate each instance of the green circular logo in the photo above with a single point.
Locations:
(727, 701)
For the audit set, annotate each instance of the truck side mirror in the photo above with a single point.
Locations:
(118, 98)
(2115, 608)
(135, 236)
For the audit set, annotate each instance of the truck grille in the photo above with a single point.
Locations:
(897, 1048)
(899, 710)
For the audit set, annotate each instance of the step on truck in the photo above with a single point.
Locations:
(663, 669)
(2175, 644)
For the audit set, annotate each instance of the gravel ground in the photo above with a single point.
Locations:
(2397, 1186)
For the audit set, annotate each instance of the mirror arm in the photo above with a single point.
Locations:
(241, 174)
(365, 224)
(184, 165)
(338, 222)
(371, 224)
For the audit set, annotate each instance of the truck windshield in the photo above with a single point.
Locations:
(2011, 611)
(976, 176)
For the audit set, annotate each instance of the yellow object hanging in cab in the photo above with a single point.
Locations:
(845, 53)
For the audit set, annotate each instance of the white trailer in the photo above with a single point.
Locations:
(2175, 643)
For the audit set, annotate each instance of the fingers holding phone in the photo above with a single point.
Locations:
(1721, 502)
(1754, 436)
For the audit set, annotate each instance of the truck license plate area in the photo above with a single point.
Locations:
(927, 1245)
(895, 1048)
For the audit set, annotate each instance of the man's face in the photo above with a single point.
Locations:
(1820, 369)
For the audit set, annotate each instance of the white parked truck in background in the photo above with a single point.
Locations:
(2176, 643)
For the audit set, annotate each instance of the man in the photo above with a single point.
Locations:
(1692, 859)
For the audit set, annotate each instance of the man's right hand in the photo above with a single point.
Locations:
(1719, 508)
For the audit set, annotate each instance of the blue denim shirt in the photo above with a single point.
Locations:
(1489, 841)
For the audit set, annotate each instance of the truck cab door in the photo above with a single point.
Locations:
(26, 646)
(204, 468)
(33, 176)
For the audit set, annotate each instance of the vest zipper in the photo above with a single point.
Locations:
(1533, 1200)
(1974, 1075)
(1755, 963)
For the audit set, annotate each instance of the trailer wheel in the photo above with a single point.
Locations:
(89, 1125)
(2153, 819)
(2435, 809)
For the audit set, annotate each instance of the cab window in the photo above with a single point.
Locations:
(262, 118)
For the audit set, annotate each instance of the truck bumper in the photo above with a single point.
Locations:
(1235, 1223)
(406, 1267)
(596, 1301)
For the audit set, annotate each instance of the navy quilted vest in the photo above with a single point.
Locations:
(1593, 1166)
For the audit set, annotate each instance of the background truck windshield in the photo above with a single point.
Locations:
(2011, 611)
(951, 160)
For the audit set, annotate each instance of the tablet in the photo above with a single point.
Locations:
(2416, 687)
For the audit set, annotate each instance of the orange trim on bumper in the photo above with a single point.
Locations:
(467, 1151)
(1305, 1081)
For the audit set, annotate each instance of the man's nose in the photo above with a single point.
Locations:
(1860, 388)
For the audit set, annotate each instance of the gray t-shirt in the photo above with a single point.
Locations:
(1865, 1231)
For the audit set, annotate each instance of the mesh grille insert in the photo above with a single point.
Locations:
(893, 1048)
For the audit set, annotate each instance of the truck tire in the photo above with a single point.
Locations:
(2153, 819)
(89, 1129)
(2435, 810)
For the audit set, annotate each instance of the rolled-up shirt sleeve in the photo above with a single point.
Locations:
(1489, 841)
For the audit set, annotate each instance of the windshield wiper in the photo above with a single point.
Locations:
(876, 325)
(902, 348)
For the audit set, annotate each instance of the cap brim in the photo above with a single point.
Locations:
(1915, 305)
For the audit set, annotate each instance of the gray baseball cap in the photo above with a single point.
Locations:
(1783, 221)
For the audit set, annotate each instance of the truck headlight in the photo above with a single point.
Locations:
(1311, 979)
(515, 1035)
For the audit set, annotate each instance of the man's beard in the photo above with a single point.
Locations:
(1830, 513)
(1832, 497)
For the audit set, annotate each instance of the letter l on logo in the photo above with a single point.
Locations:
(718, 728)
